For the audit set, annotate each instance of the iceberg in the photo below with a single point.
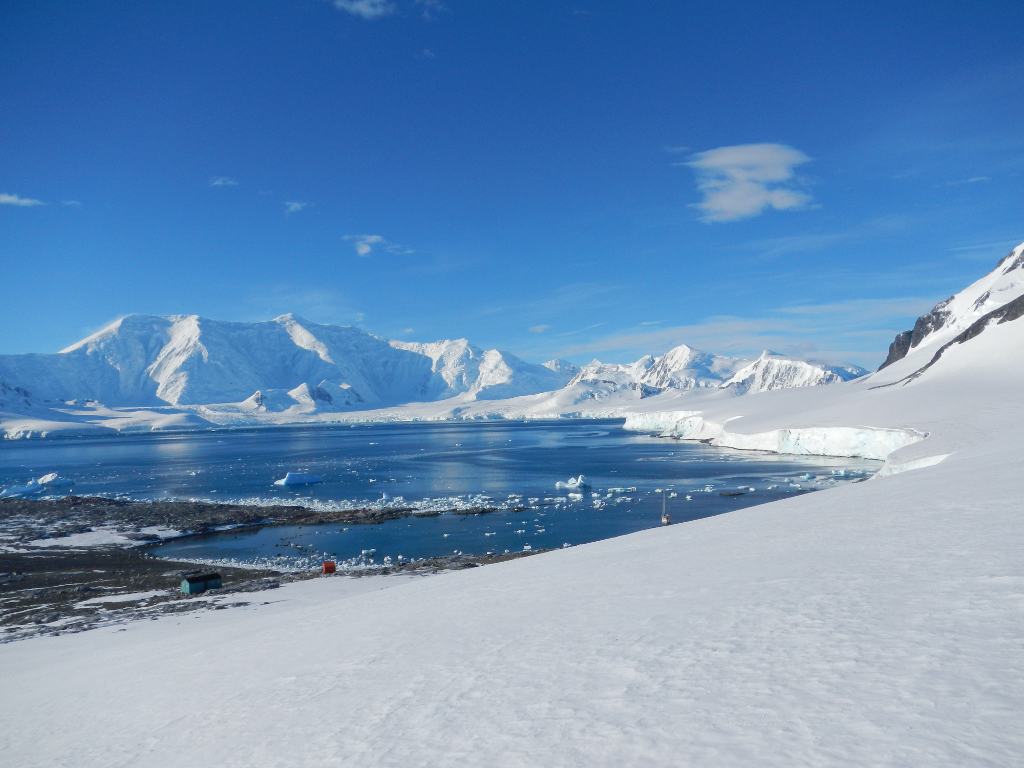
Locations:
(575, 483)
(34, 487)
(299, 478)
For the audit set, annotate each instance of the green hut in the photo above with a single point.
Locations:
(200, 582)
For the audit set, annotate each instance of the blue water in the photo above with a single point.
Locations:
(430, 467)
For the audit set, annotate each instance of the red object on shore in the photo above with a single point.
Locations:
(329, 566)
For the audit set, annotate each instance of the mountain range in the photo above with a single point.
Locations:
(291, 365)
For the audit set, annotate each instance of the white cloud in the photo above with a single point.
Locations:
(542, 328)
(743, 180)
(366, 9)
(366, 244)
(222, 181)
(294, 206)
(17, 200)
(71, 203)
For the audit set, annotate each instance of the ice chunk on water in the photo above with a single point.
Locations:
(576, 483)
(46, 482)
(299, 478)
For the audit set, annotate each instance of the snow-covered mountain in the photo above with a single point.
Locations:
(194, 370)
(681, 368)
(188, 360)
(562, 367)
(771, 371)
(685, 368)
(996, 298)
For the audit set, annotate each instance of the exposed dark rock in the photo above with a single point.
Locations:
(926, 324)
(1012, 310)
(898, 349)
(1009, 263)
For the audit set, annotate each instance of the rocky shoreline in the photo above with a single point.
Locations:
(23, 521)
(51, 587)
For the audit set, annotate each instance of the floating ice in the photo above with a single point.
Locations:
(34, 487)
(299, 478)
(576, 483)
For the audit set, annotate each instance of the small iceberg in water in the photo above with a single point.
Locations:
(573, 483)
(299, 478)
(34, 487)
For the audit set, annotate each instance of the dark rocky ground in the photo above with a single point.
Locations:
(30, 519)
(44, 590)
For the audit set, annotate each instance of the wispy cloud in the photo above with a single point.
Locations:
(585, 329)
(294, 206)
(971, 180)
(71, 203)
(986, 246)
(559, 300)
(744, 180)
(542, 328)
(365, 245)
(866, 309)
(807, 242)
(366, 9)
(991, 251)
(430, 8)
(19, 201)
(780, 246)
(222, 181)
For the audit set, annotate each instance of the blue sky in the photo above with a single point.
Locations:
(576, 179)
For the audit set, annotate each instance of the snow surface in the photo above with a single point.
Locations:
(123, 597)
(878, 623)
(104, 537)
